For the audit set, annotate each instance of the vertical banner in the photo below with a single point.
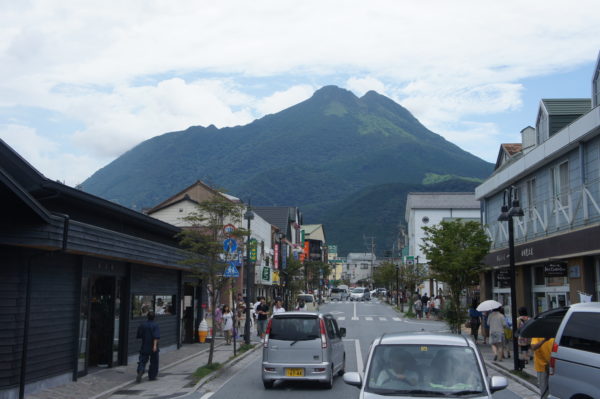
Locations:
(276, 257)
(283, 256)
(306, 250)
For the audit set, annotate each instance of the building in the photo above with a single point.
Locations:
(78, 276)
(429, 209)
(358, 268)
(556, 178)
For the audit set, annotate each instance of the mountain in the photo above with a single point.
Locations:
(329, 148)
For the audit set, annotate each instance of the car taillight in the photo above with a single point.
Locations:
(552, 359)
(323, 334)
(266, 341)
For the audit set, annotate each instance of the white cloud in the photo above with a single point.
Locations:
(362, 85)
(281, 100)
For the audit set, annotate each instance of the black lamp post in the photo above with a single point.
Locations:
(249, 271)
(508, 215)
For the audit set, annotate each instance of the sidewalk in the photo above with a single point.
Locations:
(174, 377)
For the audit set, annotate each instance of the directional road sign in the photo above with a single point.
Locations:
(229, 245)
(231, 270)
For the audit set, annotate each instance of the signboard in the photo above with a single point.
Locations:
(556, 269)
(410, 260)
(503, 277)
(228, 229)
(283, 256)
(266, 274)
(231, 270)
(229, 245)
(276, 256)
(275, 277)
(253, 246)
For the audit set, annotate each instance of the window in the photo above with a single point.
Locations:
(296, 328)
(560, 183)
(581, 332)
(425, 220)
(538, 276)
(531, 193)
(162, 305)
(330, 329)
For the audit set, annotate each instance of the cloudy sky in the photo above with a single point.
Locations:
(84, 81)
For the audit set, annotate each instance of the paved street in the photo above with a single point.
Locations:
(364, 321)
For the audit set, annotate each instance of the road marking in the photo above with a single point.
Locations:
(207, 395)
(342, 318)
(354, 317)
(359, 360)
(368, 318)
(383, 318)
(396, 319)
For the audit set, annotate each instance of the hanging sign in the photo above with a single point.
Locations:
(253, 245)
(276, 257)
(556, 269)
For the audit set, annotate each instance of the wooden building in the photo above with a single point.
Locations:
(77, 276)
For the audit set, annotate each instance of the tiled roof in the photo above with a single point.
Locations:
(278, 216)
(512, 148)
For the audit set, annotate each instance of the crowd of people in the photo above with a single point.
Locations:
(427, 307)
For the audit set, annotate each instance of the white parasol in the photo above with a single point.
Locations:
(488, 305)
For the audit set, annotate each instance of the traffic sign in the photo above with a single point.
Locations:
(228, 229)
(231, 270)
(410, 260)
(229, 245)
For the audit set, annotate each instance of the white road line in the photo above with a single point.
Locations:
(207, 395)
(396, 319)
(342, 318)
(359, 360)
(354, 317)
(368, 318)
(383, 318)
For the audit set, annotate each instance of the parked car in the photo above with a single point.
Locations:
(360, 294)
(575, 362)
(423, 365)
(381, 292)
(338, 294)
(303, 346)
(309, 302)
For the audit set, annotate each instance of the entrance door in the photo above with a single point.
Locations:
(557, 300)
(102, 321)
(187, 319)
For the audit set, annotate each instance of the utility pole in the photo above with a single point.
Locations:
(372, 238)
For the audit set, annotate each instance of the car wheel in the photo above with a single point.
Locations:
(329, 383)
(268, 384)
(343, 369)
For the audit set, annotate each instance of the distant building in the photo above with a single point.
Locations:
(429, 209)
(358, 268)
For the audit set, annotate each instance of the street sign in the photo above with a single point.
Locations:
(410, 260)
(229, 245)
(266, 274)
(253, 246)
(231, 270)
(228, 229)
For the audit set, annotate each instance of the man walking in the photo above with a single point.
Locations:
(149, 333)
(262, 311)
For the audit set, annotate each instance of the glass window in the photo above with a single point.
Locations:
(165, 305)
(560, 183)
(398, 369)
(581, 332)
(295, 328)
(330, 328)
(538, 275)
(141, 305)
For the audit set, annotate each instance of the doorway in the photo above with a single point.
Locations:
(102, 321)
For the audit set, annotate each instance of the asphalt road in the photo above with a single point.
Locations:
(364, 321)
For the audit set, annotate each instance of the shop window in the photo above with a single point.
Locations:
(556, 281)
(538, 276)
(162, 305)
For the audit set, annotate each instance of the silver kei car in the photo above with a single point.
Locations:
(424, 365)
(303, 346)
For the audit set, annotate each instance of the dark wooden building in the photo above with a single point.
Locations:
(77, 276)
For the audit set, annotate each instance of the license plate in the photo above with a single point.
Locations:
(294, 372)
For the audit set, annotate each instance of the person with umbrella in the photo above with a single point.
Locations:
(485, 307)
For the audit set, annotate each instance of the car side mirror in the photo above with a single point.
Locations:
(342, 332)
(498, 383)
(353, 378)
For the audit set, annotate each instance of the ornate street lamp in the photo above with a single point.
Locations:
(249, 272)
(508, 215)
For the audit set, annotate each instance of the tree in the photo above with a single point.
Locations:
(204, 244)
(384, 275)
(410, 275)
(455, 250)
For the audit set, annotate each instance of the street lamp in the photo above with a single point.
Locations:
(249, 271)
(508, 215)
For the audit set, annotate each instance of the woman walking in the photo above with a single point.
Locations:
(524, 343)
(497, 323)
(227, 324)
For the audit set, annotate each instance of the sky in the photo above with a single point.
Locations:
(85, 81)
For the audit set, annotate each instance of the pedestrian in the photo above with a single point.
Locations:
(255, 314)
(278, 308)
(301, 307)
(427, 308)
(419, 308)
(507, 334)
(438, 306)
(424, 300)
(262, 314)
(542, 349)
(219, 321)
(227, 324)
(485, 327)
(474, 320)
(524, 343)
(149, 333)
(497, 323)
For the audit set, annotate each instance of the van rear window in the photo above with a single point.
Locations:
(295, 329)
(581, 332)
(306, 298)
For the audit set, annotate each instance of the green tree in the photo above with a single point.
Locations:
(455, 250)
(410, 275)
(203, 242)
(384, 275)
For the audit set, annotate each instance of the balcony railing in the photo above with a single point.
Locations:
(578, 207)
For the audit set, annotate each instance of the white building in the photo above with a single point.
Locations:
(429, 209)
(358, 267)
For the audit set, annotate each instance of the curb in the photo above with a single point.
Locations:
(533, 388)
(114, 389)
(230, 362)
